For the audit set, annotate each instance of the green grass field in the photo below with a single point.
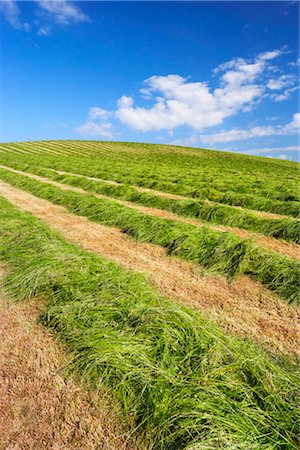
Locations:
(183, 381)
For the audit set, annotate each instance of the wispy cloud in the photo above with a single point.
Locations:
(285, 95)
(281, 82)
(62, 12)
(12, 14)
(295, 63)
(44, 31)
(257, 151)
(97, 124)
(239, 134)
(48, 14)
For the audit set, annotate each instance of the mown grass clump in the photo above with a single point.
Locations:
(221, 252)
(182, 381)
(285, 228)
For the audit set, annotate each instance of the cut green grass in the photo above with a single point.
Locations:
(250, 182)
(286, 228)
(181, 380)
(220, 252)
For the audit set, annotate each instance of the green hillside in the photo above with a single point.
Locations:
(184, 379)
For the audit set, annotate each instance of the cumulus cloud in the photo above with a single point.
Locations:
(179, 101)
(97, 124)
(239, 134)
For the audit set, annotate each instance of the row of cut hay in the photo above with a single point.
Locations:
(249, 201)
(190, 170)
(122, 171)
(182, 381)
(221, 252)
(285, 228)
(37, 150)
(171, 167)
(45, 146)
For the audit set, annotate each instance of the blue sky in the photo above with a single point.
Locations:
(220, 75)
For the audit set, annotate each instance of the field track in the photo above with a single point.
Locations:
(287, 248)
(243, 306)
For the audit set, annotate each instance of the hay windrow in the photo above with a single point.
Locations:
(286, 228)
(224, 253)
(179, 377)
(240, 180)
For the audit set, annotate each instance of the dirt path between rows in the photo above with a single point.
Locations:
(39, 407)
(243, 307)
(287, 248)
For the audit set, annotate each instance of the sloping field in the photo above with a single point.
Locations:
(200, 349)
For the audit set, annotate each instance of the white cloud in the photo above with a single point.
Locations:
(44, 31)
(295, 63)
(284, 95)
(281, 82)
(96, 113)
(178, 101)
(239, 134)
(26, 27)
(12, 14)
(62, 11)
(289, 148)
(292, 127)
(96, 130)
(270, 55)
(97, 124)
